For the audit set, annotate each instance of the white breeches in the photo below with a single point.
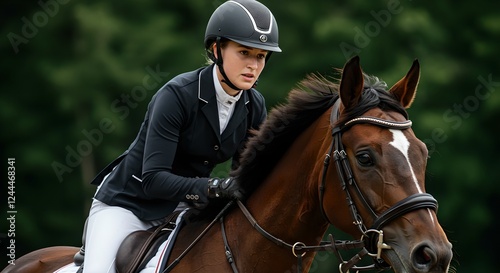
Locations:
(107, 228)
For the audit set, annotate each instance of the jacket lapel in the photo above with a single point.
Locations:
(206, 94)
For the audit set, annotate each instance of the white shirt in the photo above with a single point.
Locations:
(225, 102)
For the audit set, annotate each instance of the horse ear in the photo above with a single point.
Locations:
(351, 84)
(406, 88)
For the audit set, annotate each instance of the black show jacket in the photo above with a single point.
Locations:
(177, 147)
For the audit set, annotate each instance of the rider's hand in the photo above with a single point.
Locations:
(228, 188)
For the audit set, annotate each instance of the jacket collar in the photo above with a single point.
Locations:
(206, 86)
(206, 94)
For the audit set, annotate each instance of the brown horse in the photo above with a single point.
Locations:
(378, 167)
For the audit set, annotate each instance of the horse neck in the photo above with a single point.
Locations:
(287, 203)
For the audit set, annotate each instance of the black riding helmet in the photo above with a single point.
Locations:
(247, 22)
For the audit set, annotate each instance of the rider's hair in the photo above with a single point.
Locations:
(210, 50)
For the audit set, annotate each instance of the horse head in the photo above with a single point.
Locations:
(381, 166)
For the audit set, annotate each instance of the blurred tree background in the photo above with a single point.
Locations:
(77, 78)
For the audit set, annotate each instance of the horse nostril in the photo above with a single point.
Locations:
(424, 257)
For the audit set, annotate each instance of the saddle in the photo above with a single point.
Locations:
(140, 246)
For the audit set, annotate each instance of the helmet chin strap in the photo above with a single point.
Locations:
(218, 62)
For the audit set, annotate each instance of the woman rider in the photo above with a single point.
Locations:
(194, 122)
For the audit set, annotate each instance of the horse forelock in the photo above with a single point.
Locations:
(306, 103)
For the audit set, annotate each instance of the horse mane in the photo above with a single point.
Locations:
(310, 99)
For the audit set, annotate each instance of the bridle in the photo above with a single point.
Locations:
(371, 242)
(373, 236)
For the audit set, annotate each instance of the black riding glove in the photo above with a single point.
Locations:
(229, 188)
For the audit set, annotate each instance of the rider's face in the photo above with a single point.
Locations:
(242, 65)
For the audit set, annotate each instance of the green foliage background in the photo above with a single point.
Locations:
(73, 73)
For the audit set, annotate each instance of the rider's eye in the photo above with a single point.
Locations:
(364, 159)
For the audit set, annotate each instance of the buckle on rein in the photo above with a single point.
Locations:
(345, 266)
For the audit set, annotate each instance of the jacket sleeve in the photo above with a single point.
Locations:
(166, 116)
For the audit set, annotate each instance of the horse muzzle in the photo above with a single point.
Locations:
(424, 257)
(430, 257)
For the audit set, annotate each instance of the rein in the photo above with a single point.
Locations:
(298, 249)
(199, 237)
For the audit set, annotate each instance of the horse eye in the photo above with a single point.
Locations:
(364, 159)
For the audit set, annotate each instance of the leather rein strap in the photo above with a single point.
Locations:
(298, 249)
(219, 216)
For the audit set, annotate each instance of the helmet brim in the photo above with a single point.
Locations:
(272, 48)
